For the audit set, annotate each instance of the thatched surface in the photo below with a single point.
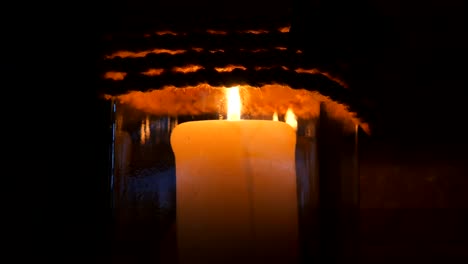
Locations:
(180, 71)
(256, 102)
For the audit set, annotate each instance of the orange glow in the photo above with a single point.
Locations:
(284, 29)
(256, 32)
(188, 68)
(230, 68)
(216, 50)
(197, 49)
(142, 133)
(141, 54)
(258, 50)
(216, 32)
(258, 68)
(281, 48)
(166, 32)
(234, 104)
(299, 51)
(275, 116)
(311, 71)
(257, 102)
(316, 71)
(116, 76)
(290, 118)
(172, 52)
(145, 131)
(153, 72)
(147, 128)
(128, 54)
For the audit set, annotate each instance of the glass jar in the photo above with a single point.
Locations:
(233, 175)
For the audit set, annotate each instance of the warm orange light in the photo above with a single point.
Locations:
(275, 116)
(259, 68)
(168, 51)
(256, 32)
(216, 50)
(229, 68)
(166, 32)
(116, 76)
(141, 54)
(142, 133)
(284, 29)
(153, 72)
(258, 50)
(187, 68)
(317, 71)
(290, 118)
(216, 32)
(147, 128)
(234, 104)
(257, 102)
(145, 131)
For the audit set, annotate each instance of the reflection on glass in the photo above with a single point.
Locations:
(144, 178)
(145, 131)
(144, 182)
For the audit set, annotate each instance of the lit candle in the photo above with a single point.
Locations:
(235, 189)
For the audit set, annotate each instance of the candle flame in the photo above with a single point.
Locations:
(147, 128)
(234, 104)
(290, 118)
(275, 116)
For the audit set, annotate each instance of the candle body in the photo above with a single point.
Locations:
(236, 191)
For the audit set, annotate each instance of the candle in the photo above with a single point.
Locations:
(236, 191)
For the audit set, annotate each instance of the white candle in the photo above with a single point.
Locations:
(236, 191)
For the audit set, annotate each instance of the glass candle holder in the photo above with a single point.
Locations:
(233, 175)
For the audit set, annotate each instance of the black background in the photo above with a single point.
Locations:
(407, 58)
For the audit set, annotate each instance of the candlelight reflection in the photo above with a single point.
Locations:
(145, 131)
(234, 104)
(290, 118)
(142, 133)
(229, 68)
(284, 29)
(144, 177)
